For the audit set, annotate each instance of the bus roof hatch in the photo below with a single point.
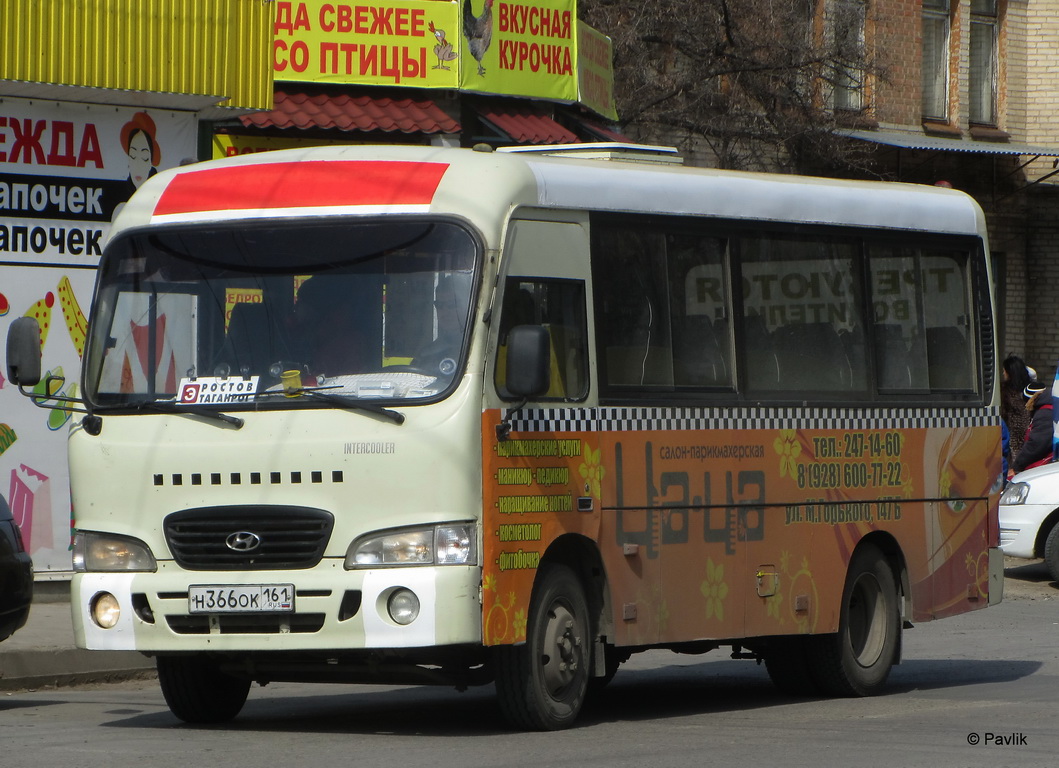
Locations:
(629, 153)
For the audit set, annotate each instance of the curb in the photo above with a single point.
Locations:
(42, 654)
(30, 670)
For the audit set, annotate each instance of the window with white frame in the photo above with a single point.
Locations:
(936, 59)
(848, 20)
(983, 54)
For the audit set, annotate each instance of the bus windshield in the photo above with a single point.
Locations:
(243, 315)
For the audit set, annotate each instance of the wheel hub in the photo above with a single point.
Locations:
(562, 656)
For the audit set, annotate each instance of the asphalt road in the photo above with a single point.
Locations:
(976, 690)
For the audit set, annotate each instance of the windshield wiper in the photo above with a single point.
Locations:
(342, 401)
(171, 406)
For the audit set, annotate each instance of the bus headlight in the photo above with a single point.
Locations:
(1015, 493)
(95, 552)
(452, 544)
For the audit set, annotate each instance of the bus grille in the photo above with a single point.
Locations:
(250, 538)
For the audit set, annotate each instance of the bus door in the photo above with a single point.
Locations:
(543, 478)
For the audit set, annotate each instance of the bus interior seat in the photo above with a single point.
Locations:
(948, 359)
(892, 358)
(639, 366)
(811, 356)
(853, 343)
(253, 341)
(566, 361)
(698, 357)
(763, 365)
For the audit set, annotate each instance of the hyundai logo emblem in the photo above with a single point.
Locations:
(243, 541)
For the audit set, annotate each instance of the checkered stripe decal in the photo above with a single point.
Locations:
(661, 419)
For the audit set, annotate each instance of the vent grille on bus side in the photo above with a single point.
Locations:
(985, 322)
(248, 538)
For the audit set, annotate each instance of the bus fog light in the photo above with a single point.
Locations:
(105, 610)
(403, 606)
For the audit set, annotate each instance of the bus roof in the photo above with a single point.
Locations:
(483, 186)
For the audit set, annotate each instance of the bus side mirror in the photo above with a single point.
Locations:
(23, 352)
(528, 361)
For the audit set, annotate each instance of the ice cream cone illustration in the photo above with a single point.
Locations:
(41, 311)
(72, 314)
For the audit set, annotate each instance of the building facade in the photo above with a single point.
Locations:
(971, 99)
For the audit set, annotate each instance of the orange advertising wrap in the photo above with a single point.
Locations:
(731, 525)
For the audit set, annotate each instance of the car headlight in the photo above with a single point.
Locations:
(110, 552)
(436, 545)
(1015, 493)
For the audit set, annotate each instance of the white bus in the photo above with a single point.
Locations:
(421, 415)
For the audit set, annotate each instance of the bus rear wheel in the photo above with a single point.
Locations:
(857, 660)
(541, 684)
(197, 691)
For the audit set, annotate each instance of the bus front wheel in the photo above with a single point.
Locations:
(857, 660)
(541, 684)
(198, 692)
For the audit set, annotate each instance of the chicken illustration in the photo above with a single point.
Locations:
(478, 30)
(443, 50)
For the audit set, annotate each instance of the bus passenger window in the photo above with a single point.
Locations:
(947, 312)
(700, 308)
(923, 338)
(633, 308)
(803, 316)
(900, 354)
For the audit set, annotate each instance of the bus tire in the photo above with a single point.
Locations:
(1051, 552)
(198, 692)
(857, 660)
(541, 683)
(787, 665)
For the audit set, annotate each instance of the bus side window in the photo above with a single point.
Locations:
(699, 309)
(633, 311)
(803, 314)
(558, 306)
(900, 354)
(946, 315)
(923, 338)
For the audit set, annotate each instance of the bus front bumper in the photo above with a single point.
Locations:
(333, 609)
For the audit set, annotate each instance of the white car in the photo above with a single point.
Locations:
(1029, 516)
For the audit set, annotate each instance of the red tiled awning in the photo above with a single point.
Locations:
(352, 113)
(527, 125)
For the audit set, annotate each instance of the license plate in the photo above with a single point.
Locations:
(241, 598)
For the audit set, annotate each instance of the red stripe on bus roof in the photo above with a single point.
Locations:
(306, 184)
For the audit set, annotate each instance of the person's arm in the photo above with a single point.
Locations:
(1038, 443)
